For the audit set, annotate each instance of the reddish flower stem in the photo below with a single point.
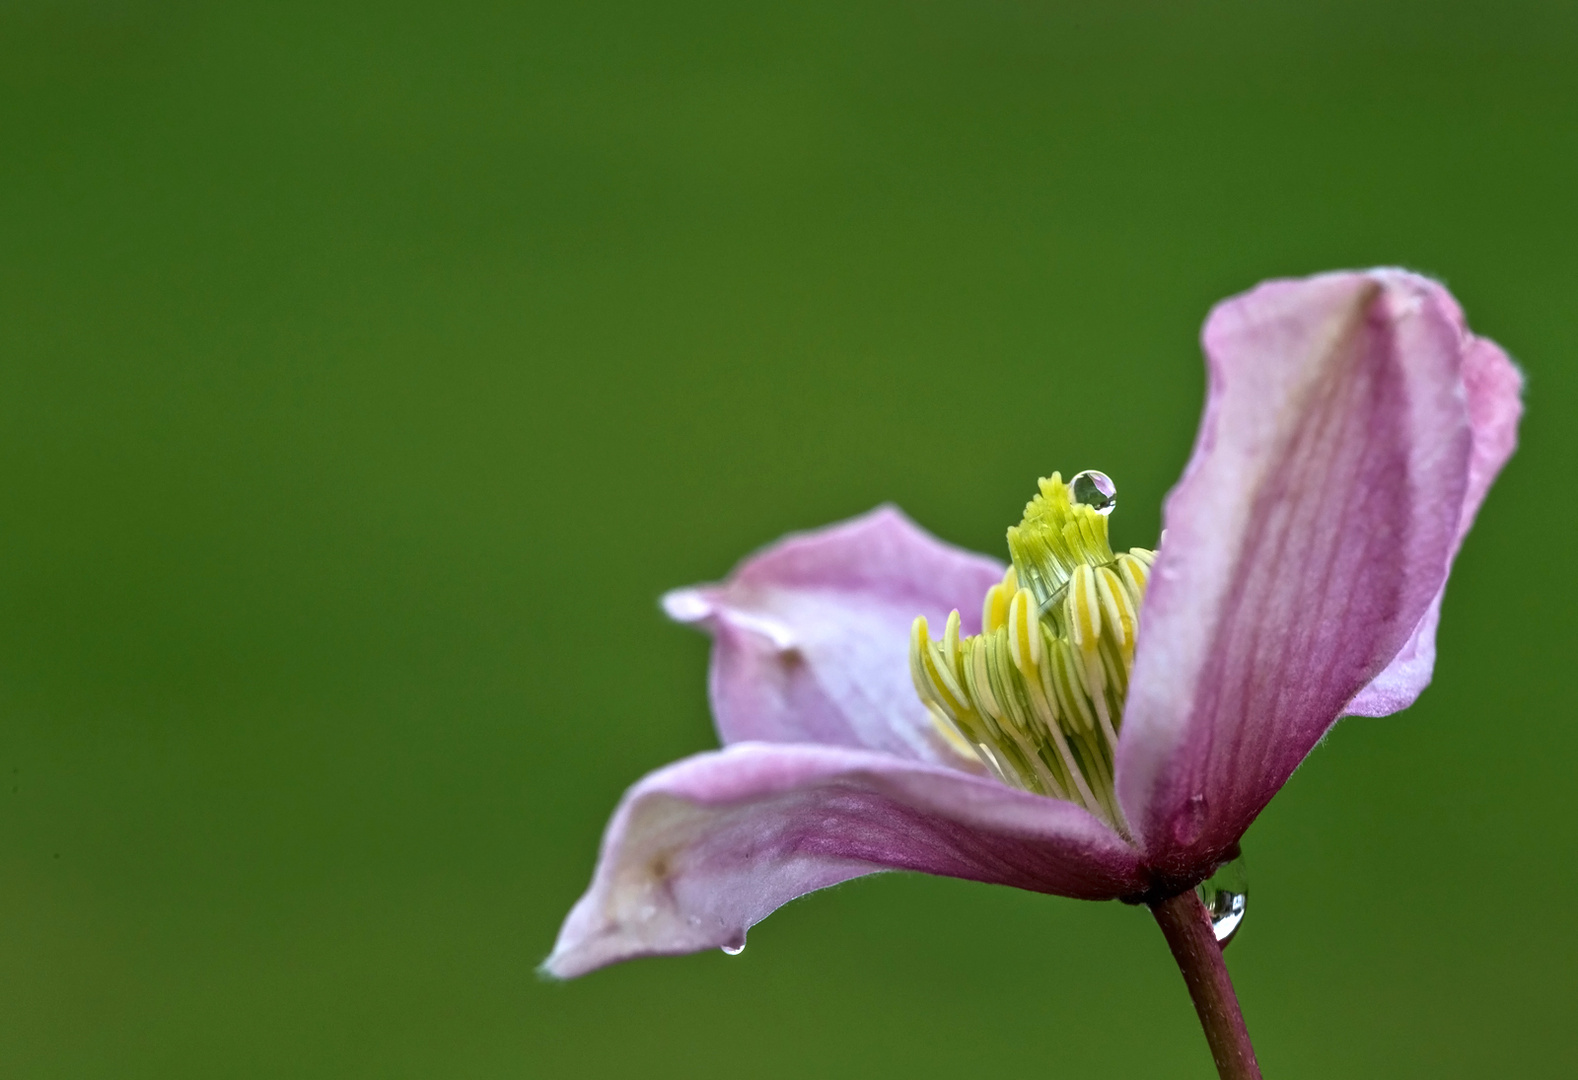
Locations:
(1187, 927)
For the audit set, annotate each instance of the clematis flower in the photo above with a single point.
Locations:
(1089, 724)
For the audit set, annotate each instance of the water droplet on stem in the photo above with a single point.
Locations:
(1225, 895)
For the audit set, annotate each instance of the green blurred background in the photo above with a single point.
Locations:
(368, 370)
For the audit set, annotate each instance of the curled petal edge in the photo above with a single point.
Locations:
(1494, 389)
(811, 634)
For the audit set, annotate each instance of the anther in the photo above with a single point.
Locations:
(1084, 612)
(1024, 632)
(1117, 614)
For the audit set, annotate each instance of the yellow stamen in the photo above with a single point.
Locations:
(1038, 695)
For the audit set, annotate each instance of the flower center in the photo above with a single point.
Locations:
(1038, 695)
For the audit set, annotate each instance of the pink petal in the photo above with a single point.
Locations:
(812, 634)
(700, 851)
(1307, 538)
(1495, 405)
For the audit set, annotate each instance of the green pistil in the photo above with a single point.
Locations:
(1056, 536)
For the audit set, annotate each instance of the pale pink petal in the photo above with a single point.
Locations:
(1305, 542)
(812, 634)
(701, 850)
(1495, 404)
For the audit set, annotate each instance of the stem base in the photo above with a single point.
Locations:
(1187, 926)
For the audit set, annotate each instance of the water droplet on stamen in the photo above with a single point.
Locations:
(733, 950)
(1095, 490)
(1225, 895)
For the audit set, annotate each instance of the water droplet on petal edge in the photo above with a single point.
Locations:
(733, 949)
(1095, 490)
(1225, 895)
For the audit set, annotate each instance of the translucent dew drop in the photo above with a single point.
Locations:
(733, 950)
(1226, 895)
(1095, 490)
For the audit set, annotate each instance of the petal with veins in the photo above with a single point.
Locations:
(1306, 541)
(701, 850)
